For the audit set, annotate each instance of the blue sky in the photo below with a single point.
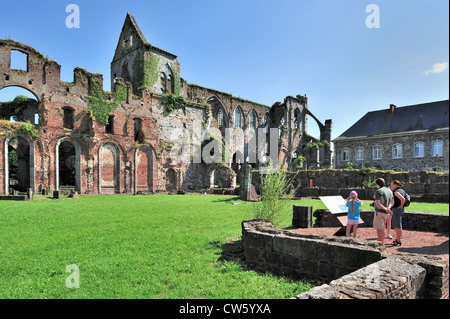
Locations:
(262, 50)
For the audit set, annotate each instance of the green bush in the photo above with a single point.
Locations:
(275, 197)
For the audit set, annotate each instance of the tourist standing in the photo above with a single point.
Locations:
(384, 200)
(353, 205)
(398, 210)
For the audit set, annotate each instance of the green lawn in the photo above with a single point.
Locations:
(159, 246)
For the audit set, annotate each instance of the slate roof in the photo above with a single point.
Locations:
(427, 117)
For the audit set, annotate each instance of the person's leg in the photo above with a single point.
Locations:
(398, 235)
(397, 224)
(380, 234)
(355, 229)
(348, 229)
(379, 223)
(388, 227)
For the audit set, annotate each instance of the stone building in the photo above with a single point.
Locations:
(405, 138)
(152, 132)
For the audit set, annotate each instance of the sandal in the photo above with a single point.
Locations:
(396, 243)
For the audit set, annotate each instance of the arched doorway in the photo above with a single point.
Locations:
(19, 168)
(144, 169)
(67, 165)
(109, 169)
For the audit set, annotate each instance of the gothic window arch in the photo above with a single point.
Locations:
(253, 121)
(297, 119)
(167, 81)
(266, 123)
(238, 117)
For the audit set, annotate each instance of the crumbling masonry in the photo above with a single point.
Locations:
(123, 141)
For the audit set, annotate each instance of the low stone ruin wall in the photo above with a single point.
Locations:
(305, 255)
(421, 186)
(396, 277)
(417, 221)
(419, 192)
(354, 268)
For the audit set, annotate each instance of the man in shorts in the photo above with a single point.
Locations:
(384, 200)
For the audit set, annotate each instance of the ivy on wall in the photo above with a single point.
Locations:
(176, 83)
(9, 129)
(317, 144)
(172, 102)
(99, 107)
(145, 68)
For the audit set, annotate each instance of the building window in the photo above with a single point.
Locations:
(345, 155)
(220, 119)
(163, 79)
(253, 121)
(437, 148)
(19, 60)
(280, 126)
(418, 150)
(266, 123)
(397, 151)
(68, 117)
(109, 128)
(139, 135)
(376, 152)
(237, 117)
(297, 119)
(359, 153)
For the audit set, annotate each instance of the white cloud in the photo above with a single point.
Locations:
(438, 68)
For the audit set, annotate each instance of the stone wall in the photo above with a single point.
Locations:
(416, 221)
(303, 255)
(354, 268)
(421, 186)
(396, 277)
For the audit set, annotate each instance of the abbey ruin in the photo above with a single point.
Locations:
(78, 136)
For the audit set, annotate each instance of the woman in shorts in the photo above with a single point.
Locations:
(397, 211)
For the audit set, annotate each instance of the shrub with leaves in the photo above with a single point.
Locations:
(275, 196)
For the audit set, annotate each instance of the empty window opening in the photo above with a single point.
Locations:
(163, 78)
(253, 122)
(138, 133)
(220, 119)
(237, 117)
(109, 128)
(297, 119)
(68, 120)
(19, 60)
